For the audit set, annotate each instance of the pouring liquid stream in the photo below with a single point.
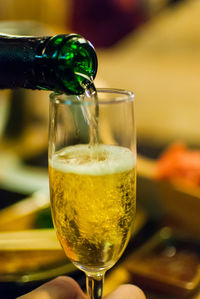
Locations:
(90, 111)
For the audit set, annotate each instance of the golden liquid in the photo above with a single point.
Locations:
(93, 203)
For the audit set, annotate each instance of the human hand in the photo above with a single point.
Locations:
(126, 291)
(62, 287)
(66, 288)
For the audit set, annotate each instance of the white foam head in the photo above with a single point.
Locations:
(72, 159)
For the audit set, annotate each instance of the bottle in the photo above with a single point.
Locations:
(62, 63)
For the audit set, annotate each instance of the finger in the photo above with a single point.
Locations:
(60, 288)
(126, 291)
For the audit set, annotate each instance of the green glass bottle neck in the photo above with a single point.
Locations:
(65, 63)
(62, 63)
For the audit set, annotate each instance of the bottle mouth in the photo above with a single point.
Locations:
(85, 61)
(68, 62)
(77, 57)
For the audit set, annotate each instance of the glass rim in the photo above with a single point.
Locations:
(126, 96)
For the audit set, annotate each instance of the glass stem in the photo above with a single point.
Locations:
(94, 285)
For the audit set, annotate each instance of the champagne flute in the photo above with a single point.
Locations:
(93, 184)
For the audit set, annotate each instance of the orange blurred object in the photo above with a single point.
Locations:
(179, 163)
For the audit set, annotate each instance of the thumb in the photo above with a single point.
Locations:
(126, 291)
(60, 288)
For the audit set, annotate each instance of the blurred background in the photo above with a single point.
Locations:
(151, 47)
